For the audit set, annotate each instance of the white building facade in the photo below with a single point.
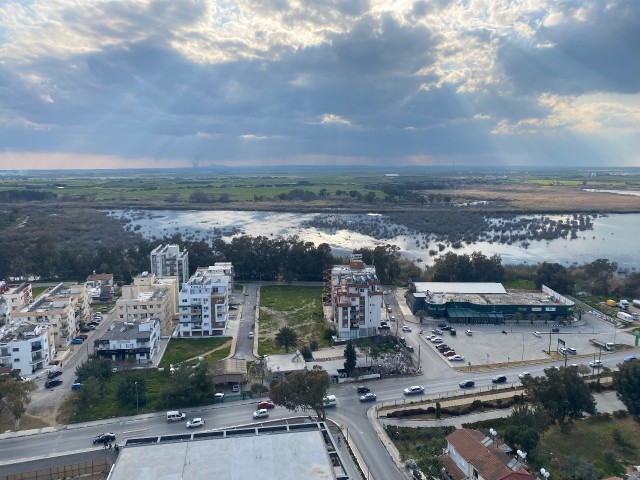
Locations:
(203, 308)
(138, 341)
(27, 347)
(16, 296)
(356, 299)
(169, 261)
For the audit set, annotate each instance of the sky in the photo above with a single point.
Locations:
(201, 83)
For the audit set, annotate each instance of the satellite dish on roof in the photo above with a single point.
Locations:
(493, 432)
(544, 473)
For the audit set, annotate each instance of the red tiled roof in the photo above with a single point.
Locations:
(490, 462)
(452, 469)
(100, 276)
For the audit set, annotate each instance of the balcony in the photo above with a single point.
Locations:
(36, 347)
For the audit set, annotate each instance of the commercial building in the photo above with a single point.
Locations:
(488, 303)
(26, 347)
(62, 307)
(356, 299)
(203, 309)
(169, 261)
(291, 451)
(149, 297)
(130, 340)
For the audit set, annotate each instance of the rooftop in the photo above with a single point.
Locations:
(126, 331)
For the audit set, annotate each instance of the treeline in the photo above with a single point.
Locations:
(253, 258)
(8, 196)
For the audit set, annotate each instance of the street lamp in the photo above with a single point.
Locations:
(523, 346)
(137, 404)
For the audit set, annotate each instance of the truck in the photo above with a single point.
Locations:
(623, 304)
(625, 317)
(600, 344)
(611, 303)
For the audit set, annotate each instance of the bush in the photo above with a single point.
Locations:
(314, 345)
(621, 414)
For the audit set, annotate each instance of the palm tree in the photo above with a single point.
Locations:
(286, 338)
(421, 314)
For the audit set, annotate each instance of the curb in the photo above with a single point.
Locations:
(388, 444)
(354, 450)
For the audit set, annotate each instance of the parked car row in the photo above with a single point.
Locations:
(445, 349)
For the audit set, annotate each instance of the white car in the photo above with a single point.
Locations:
(437, 331)
(537, 334)
(524, 375)
(414, 390)
(596, 364)
(430, 337)
(261, 413)
(456, 358)
(196, 422)
(405, 328)
(436, 340)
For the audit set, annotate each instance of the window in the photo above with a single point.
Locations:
(16, 349)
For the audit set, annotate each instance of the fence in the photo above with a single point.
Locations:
(75, 470)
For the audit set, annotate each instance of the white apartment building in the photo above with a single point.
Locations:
(16, 296)
(203, 309)
(356, 299)
(61, 306)
(149, 300)
(26, 347)
(169, 261)
(124, 340)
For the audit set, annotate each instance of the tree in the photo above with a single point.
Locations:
(99, 368)
(562, 393)
(302, 390)
(350, 358)
(131, 391)
(554, 276)
(600, 272)
(626, 381)
(421, 314)
(521, 436)
(90, 393)
(286, 338)
(16, 396)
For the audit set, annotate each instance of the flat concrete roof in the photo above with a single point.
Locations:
(460, 287)
(284, 456)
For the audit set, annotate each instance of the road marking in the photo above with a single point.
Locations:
(128, 432)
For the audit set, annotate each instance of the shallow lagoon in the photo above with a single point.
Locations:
(614, 237)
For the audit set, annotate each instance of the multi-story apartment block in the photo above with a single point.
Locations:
(169, 261)
(356, 299)
(61, 306)
(101, 285)
(130, 340)
(149, 298)
(26, 347)
(16, 296)
(203, 308)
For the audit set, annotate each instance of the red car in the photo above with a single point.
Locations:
(266, 404)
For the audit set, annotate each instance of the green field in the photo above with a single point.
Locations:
(182, 349)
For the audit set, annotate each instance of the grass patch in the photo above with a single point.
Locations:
(182, 349)
(297, 307)
(588, 438)
(519, 284)
(27, 422)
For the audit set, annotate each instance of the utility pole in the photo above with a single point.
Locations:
(137, 404)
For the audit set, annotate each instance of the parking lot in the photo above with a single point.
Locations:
(488, 345)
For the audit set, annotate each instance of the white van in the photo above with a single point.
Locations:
(175, 416)
(329, 401)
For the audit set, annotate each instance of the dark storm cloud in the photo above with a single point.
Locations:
(599, 54)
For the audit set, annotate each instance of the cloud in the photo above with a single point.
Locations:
(242, 81)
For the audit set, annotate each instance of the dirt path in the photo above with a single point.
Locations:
(224, 345)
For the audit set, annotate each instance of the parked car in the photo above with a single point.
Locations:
(537, 334)
(596, 364)
(414, 390)
(436, 340)
(555, 330)
(250, 335)
(436, 331)
(456, 358)
(368, 397)
(266, 404)
(196, 422)
(445, 327)
(430, 337)
(449, 353)
(77, 341)
(453, 332)
(52, 383)
(53, 373)
(469, 333)
(85, 329)
(467, 384)
(363, 389)
(76, 386)
(572, 351)
(409, 348)
(406, 328)
(261, 413)
(443, 347)
(104, 438)
(218, 397)
(442, 325)
(235, 388)
(563, 351)
(499, 379)
(630, 358)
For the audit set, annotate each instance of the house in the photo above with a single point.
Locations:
(137, 341)
(356, 299)
(203, 307)
(470, 454)
(16, 296)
